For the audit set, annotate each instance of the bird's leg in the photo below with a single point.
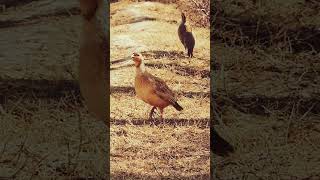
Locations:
(161, 115)
(151, 113)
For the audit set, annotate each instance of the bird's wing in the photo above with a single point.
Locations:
(161, 89)
(181, 31)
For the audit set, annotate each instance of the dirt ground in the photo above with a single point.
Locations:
(46, 132)
(266, 88)
(179, 147)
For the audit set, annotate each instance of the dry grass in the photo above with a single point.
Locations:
(265, 86)
(267, 95)
(177, 148)
(198, 11)
(42, 138)
(41, 133)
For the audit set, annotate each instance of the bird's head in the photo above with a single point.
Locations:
(183, 17)
(137, 58)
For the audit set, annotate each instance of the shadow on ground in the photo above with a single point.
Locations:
(130, 90)
(180, 70)
(125, 175)
(201, 123)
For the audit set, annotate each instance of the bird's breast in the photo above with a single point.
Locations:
(146, 92)
(142, 87)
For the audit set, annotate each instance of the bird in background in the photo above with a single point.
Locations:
(185, 35)
(151, 89)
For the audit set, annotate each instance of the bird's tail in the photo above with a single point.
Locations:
(177, 106)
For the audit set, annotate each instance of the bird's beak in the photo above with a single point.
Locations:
(132, 56)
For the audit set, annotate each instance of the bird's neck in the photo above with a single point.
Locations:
(140, 69)
(183, 20)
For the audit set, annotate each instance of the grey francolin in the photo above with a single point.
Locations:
(151, 89)
(185, 35)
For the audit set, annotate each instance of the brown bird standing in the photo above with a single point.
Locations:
(151, 89)
(186, 36)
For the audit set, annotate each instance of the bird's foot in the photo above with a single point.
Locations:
(151, 114)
